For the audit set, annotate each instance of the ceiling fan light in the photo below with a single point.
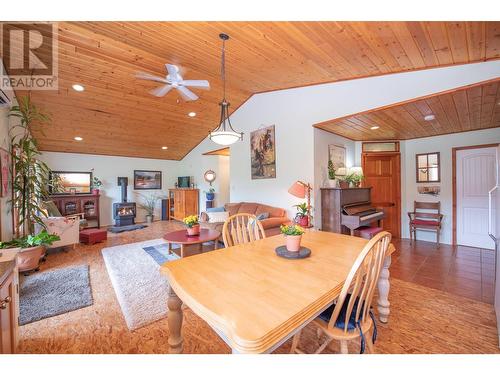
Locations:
(225, 138)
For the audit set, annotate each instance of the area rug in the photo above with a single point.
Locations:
(51, 293)
(141, 290)
(126, 228)
(160, 253)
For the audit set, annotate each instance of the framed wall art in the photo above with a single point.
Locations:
(147, 180)
(263, 153)
(337, 154)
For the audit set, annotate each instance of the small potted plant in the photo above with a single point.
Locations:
(96, 184)
(356, 179)
(210, 194)
(331, 174)
(293, 235)
(149, 204)
(302, 216)
(192, 225)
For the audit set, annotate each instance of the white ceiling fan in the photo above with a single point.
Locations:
(174, 80)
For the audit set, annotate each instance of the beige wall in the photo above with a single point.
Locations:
(5, 214)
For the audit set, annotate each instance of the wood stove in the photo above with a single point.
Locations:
(124, 212)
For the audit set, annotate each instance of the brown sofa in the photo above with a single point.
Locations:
(277, 216)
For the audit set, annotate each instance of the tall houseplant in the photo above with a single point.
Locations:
(148, 204)
(30, 175)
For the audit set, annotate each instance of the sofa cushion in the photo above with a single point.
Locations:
(52, 209)
(232, 208)
(216, 209)
(248, 208)
(273, 222)
(217, 217)
(262, 215)
(273, 211)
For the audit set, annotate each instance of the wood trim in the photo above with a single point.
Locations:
(396, 142)
(454, 183)
(450, 91)
(225, 151)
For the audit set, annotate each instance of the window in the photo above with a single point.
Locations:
(428, 167)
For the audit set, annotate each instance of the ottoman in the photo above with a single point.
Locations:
(93, 235)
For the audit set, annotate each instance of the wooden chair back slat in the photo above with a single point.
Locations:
(427, 205)
(242, 228)
(362, 280)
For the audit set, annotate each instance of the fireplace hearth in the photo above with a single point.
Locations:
(124, 212)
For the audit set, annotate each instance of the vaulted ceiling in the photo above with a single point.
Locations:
(470, 108)
(116, 115)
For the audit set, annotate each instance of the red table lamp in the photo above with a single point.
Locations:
(302, 190)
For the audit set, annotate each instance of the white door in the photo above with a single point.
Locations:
(476, 175)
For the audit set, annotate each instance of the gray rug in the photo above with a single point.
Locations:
(51, 293)
(126, 228)
(141, 290)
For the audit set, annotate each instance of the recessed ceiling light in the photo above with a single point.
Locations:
(78, 139)
(192, 114)
(429, 117)
(164, 147)
(375, 127)
(78, 87)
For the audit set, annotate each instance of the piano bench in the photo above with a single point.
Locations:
(367, 232)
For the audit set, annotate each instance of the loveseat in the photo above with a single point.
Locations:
(271, 218)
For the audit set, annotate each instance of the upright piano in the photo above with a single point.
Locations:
(345, 210)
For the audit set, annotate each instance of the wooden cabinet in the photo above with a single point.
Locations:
(88, 204)
(183, 202)
(9, 310)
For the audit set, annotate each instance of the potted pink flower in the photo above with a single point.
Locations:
(193, 227)
(293, 235)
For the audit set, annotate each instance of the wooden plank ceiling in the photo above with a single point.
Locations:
(472, 108)
(116, 115)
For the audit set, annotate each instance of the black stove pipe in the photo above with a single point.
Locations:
(123, 183)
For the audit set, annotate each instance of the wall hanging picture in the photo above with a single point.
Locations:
(147, 180)
(429, 190)
(337, 155)
(68, 182)
(263, 153)
(4, 165)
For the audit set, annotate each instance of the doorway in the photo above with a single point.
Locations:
(474, 175)
(382, 171)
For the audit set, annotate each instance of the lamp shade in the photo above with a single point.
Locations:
(298, 190)
(356, 170)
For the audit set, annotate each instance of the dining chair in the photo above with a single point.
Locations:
(242, 228)
(426, 216)
(350, 316)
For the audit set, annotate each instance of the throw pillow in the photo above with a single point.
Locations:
(263, 215)
(216, 209)
(217, 217)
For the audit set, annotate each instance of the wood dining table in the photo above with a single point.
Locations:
(255, 300)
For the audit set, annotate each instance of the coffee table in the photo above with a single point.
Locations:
(181, 238)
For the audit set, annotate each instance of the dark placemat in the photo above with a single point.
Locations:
(303, 252)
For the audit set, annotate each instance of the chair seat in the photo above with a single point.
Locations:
(340, 323)
(430, 223)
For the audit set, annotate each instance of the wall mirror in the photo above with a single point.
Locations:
(428, 168)
(209, 176)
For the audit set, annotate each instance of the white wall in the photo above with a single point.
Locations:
(322, 140)
(195, 164)
(108, 168)
(444, 145)
(5, 214)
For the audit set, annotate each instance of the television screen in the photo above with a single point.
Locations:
(70, 182)
(184, 182)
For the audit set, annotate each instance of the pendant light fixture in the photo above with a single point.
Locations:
(224, 134)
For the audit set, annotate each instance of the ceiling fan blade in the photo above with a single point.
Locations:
(173, 71)
(196, 83)
(186, 93)
(150, 77)
(161, 91)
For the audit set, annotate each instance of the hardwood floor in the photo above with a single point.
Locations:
(424, 318)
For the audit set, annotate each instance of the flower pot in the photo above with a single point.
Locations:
(194, 230)
(332, 183)
(28, 259)
(149, 219)
(210, 196)
(344, 184)
(95, 191)
(302, 221)
(293, 242)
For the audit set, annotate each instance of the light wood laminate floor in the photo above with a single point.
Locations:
(424, 318)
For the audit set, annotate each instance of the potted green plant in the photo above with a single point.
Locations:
(30, 175)
(302, 216)
(30, 249)
(192, 225)
(346, 181)
(293, 235)
(210, 194)
(331, 174)
(96, 185)
(357, 178)
(148, 204)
